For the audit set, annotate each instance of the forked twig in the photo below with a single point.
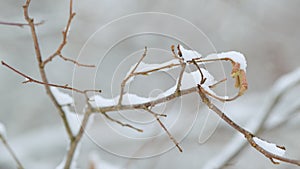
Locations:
(165, 128)
(182, 64)
(131, 74)
(63, 43)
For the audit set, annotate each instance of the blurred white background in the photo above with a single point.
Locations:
(266, 32)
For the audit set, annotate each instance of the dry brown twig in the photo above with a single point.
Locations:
(131, 74)
(165, 128)
(20, 24)
(237, 73)
(31, 80)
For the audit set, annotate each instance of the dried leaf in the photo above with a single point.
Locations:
(240, 78)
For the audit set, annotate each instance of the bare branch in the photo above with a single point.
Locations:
(166, 130)
(183, 65)
(65, 33)
(20, 24)
(120, 123)
(30, 79)
(75, 62)
(219, 82)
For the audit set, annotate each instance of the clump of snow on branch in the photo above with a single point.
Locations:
(62, 98)
(237, 57)
(270, 147)
(188, 55)
(73, 118)
(190, 80)
(2, 130)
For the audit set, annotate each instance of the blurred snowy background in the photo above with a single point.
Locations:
(266, 32)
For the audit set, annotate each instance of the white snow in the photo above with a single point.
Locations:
(100, 101)
(188, 55)
(190, 80)
(62, 98)
(270, 147)
(129, 98)
(235, 56)
(2, 130)
(74, 119)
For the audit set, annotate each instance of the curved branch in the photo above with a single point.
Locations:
(248, 135)
(236, 145)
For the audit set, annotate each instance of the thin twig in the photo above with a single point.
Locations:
(183, 65)
(220, 98)
(156, 69)
(165, 128)
(30, 79)
(74, 61)
(20, 24)
(65, 33)
(203, 79)
(131, 74)
(122, 124)
(11, 152)
(219, 82)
